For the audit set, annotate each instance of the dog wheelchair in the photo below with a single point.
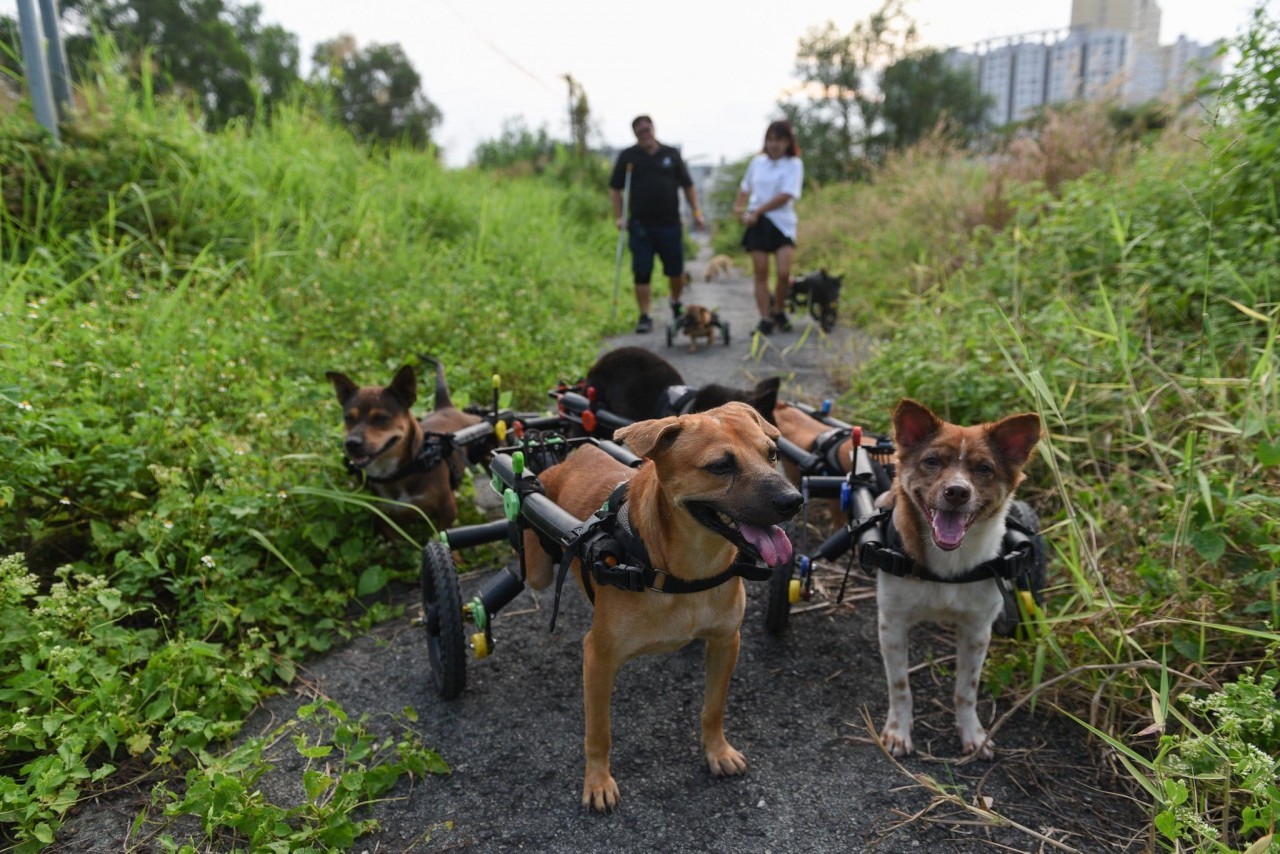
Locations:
(453, 625)
(578, 406)
(682, 321)
(868, 537)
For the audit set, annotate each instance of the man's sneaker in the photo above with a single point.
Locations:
(677, 308)
(644, 324)
(765, 326)
(781, 321)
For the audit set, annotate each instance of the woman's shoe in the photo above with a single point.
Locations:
(765, 326)
(781, 321)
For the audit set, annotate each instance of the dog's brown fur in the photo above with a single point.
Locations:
(723, 459)
(950, 498)
(382, 437)
(719, 265)
(699, 325)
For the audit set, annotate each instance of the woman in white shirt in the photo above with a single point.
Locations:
(766, 205)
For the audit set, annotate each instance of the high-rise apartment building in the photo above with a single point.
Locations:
(1111, 51)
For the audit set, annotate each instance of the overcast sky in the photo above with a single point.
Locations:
(710, 74)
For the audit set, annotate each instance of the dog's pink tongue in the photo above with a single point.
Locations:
(948, 529)
(773, 544)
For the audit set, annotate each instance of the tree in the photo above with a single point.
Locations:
(198, 47)
(842, 113)
(922, 91)
(213, 51)
(376, 91)
(516, 148)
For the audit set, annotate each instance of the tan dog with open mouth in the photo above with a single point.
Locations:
(708, 493)
(402, 458)
(950, 498)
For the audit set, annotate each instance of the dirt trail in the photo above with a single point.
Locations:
(797, 709)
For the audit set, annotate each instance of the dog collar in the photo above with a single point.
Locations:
(436, 448)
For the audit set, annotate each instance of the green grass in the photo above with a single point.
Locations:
(1136, 308)
(170, 303)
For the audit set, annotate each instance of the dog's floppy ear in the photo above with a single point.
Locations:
(342, 384)
(405, 386)
(1015, 436)
(913, 423)
(650, 438)
(764, 398)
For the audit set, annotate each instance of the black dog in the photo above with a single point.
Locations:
(638, 384)
(821, 293)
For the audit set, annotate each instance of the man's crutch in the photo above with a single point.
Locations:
(622, 236)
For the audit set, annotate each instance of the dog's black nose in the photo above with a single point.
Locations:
(353, 444)
(788, 503)
(957, 493)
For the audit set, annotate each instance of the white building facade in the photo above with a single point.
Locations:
(1111, 51)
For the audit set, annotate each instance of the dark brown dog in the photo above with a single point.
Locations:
(709, 489)
(638, 384)
(698, 322)
(402, 458)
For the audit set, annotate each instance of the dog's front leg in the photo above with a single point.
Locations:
(972, 640)
(721, 659)
(599, 791)
(896, 735)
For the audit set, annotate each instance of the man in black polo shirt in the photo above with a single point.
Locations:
(657, 174)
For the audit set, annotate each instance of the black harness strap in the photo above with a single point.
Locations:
(436, 448)
(680, 399)
(887, 555)
(612, 553)
(827, 447)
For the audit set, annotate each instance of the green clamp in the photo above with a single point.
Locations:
(478, 615)
(511, 505)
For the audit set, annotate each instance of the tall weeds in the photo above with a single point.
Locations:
(170, 303)
(1136, 309)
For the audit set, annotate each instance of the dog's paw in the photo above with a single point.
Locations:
(600, 793)
(726, 762)
(976, 742)
(897, 740)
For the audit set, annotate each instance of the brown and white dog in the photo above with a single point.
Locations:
(386, 442)
(708, 491)
(699, 323)
(719, 265)
(950, 498)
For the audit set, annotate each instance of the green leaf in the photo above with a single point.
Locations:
(372, 580)
(1209, 544)
(1268, 453)
(1167, 824)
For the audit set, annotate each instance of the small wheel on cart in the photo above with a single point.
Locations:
(442, 603)
(724, 327)
(671, 334)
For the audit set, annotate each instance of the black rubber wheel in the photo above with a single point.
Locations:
(442, 602)
(777, 609)
(671, 336)
(724, 327)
